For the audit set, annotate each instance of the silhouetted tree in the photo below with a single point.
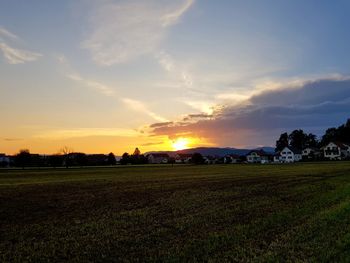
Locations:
(125, 159)
(66, 152)
(23, 158)
(79, 159)
(297, 139)
(311, 140)
(55, 160)
(171, 161)
(197, 158)
(137, 152)
(111, 159)
(340, 134)
(282, 142)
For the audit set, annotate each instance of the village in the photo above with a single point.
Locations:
(333, 151)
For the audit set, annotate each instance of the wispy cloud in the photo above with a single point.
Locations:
(141, 107)
(7, 34)
(17, 56)
(101, 88)
(14, 55)
(126, 30)
(173, 17)
(106, 90)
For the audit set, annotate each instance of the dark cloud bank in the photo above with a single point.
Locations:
(313, 106)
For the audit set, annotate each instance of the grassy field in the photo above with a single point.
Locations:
(260, 213)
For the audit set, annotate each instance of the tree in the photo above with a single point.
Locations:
(111, 159)
(23, 158)
(171, 161)
(341, 134)
(79, 159)
(137, 152)
(66, 152)
(55, 160)
(311, 140)
(197, 158)
(282, 142)
(125, 158)
(297, 139)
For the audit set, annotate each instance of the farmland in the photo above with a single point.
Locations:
(298, 212)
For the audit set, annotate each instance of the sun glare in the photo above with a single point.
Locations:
(181, 144)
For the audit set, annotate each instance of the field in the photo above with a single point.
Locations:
(260, 213)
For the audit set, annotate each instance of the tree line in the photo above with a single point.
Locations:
(300, 140)
(26, 159)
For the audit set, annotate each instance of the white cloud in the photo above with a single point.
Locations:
(172, 18)
(141, 107)
(135, 105)
(179, 72)
(101, 88)
(17, 56)
(14, 55)
(7, 34)
(166, 61)
(123, 31)
(201, 106)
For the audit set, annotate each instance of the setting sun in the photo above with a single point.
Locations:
(181, 144)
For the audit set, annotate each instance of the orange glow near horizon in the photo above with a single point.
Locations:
(102, 144)
(181, 143)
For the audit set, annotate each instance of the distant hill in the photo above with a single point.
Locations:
(214, 151)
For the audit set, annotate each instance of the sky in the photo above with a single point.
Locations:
(103, 76)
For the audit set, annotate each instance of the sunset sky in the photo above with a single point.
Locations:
(101, 76)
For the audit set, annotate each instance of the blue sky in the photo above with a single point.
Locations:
(95, 75)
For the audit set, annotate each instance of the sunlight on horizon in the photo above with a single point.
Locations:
(181, 143)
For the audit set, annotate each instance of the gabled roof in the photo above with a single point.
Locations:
(341, 145)
(294, 150)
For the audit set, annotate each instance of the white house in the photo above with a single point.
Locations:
(210, 159)
(258, 156)
(336, 151)
(183, 158)
(158, 158)
(310, 153)
(290, 155)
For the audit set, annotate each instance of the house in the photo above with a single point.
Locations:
(336, 151)
(310, 153)
(258, 156)
(232, 158)
(4, 160)
(210, 159)
(183, 158)
(290, 155)
(158, 158)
